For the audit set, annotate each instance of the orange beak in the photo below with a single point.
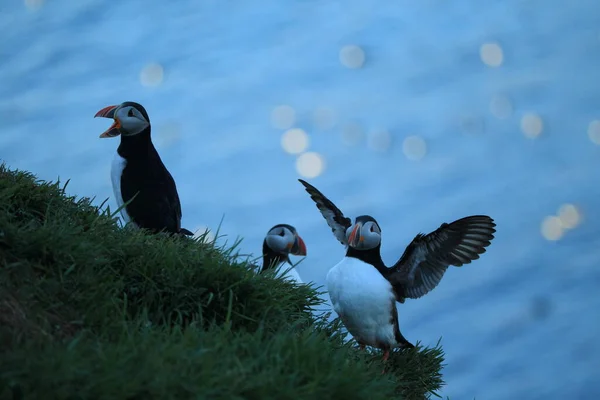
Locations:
(355, 236)
(298, 248)
(113, 130)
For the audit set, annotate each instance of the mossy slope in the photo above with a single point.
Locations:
(89, 310)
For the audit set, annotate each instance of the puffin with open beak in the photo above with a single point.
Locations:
(281, 241)
(138, 173)
(364, 291)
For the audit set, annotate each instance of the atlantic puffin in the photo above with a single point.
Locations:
(281, 241)
(139, 175)
(364, 291)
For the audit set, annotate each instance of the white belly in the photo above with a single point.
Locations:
(363, 299)
(117, 167)
(285, 272)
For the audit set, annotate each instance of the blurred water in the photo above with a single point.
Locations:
(522, 322)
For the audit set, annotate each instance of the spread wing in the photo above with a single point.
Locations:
(425, 260)
(334, 217)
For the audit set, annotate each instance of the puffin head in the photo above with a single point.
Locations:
(365, 234)
(283, 239)
(130, 119)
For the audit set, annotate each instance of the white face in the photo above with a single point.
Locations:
(367, 237)
(280, 239)
(132, 121)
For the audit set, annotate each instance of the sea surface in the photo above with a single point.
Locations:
(437, 110)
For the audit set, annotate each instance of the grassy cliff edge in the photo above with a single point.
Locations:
(90, 310)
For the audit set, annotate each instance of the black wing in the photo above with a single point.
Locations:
(334, 217)
(156, 206)
(178, 213)
(425, 260)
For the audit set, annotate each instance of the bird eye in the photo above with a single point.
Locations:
(282, 233)
(130, 113)
(372, 229)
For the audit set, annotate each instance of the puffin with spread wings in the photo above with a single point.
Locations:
(364, 291)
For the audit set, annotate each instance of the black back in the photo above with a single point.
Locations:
(156, 206)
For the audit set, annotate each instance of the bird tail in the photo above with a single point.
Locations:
(403, 343)
(185, 232)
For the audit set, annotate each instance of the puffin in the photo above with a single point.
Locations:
(281, 241)
(364, 291)
(138, 174)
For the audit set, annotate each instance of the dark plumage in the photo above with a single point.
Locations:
(427, 257)
(138, 173)
(334, 217)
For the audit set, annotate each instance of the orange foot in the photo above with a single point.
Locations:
(386, 355)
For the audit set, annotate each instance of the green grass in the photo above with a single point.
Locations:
(91, 310)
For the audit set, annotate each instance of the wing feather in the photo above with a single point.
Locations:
(427, 257)
(334, 217)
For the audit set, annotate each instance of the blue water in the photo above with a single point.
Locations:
(520, 323)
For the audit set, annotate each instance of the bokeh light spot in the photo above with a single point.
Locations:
(283, 117)
(491, 54)
(569, 216)
(414, 147)
(552, 228)
(34, 5)
(501, 107)
(352, 133)
(352, 56)
(594, 132)
(294, 141)
(532, 125)
(379, 140)
(152, 75)
(310, 165)
(324, 118)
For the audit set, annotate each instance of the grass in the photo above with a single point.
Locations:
(91, 310)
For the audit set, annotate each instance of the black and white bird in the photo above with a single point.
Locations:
(364, 291)
(138, 173)
(281, 241)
